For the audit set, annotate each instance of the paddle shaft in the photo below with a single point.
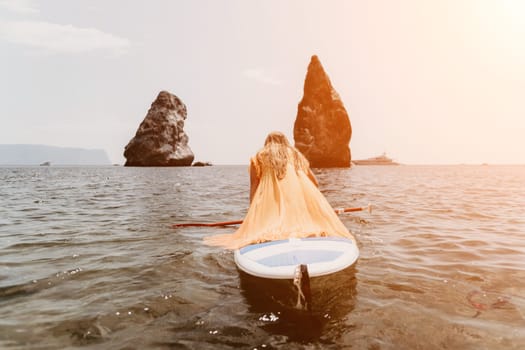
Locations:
(211, 224)
(238, 222)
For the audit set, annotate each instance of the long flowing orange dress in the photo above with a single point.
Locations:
(292, 207)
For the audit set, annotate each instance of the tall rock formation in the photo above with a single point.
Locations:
(160, 139)
(322, 129)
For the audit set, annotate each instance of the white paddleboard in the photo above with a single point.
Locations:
(278, 259)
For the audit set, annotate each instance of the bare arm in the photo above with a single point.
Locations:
(254, 180)
(311, 176)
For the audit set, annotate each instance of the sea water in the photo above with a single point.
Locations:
(88, 259)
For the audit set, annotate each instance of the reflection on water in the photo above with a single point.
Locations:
(88, 259)
(276, 302)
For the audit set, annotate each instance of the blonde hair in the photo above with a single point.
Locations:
(276, 152)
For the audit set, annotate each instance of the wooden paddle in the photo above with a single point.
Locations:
(238, 222)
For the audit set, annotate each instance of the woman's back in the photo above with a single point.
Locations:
(284, 200)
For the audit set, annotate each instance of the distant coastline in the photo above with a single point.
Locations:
(32, 154)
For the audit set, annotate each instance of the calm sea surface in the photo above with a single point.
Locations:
(88, 260)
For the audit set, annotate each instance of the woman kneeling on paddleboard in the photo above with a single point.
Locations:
(284, 200)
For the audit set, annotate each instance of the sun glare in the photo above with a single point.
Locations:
(514, 9)
(506, 16)
(499, 31)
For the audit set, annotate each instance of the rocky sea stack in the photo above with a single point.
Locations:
(322, 129)
(160, 139)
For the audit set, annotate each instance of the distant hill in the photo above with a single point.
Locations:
(38, 154)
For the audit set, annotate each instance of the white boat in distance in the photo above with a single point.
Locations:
(379, 160)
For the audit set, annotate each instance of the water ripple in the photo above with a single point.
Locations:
(88, 258)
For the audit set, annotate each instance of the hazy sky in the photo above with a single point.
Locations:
(427, 81)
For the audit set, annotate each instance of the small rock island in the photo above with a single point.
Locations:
(160, 139)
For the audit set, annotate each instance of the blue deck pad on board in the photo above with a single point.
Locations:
(261, 245)
(296, 257)
(251, 247)
(340, 239)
